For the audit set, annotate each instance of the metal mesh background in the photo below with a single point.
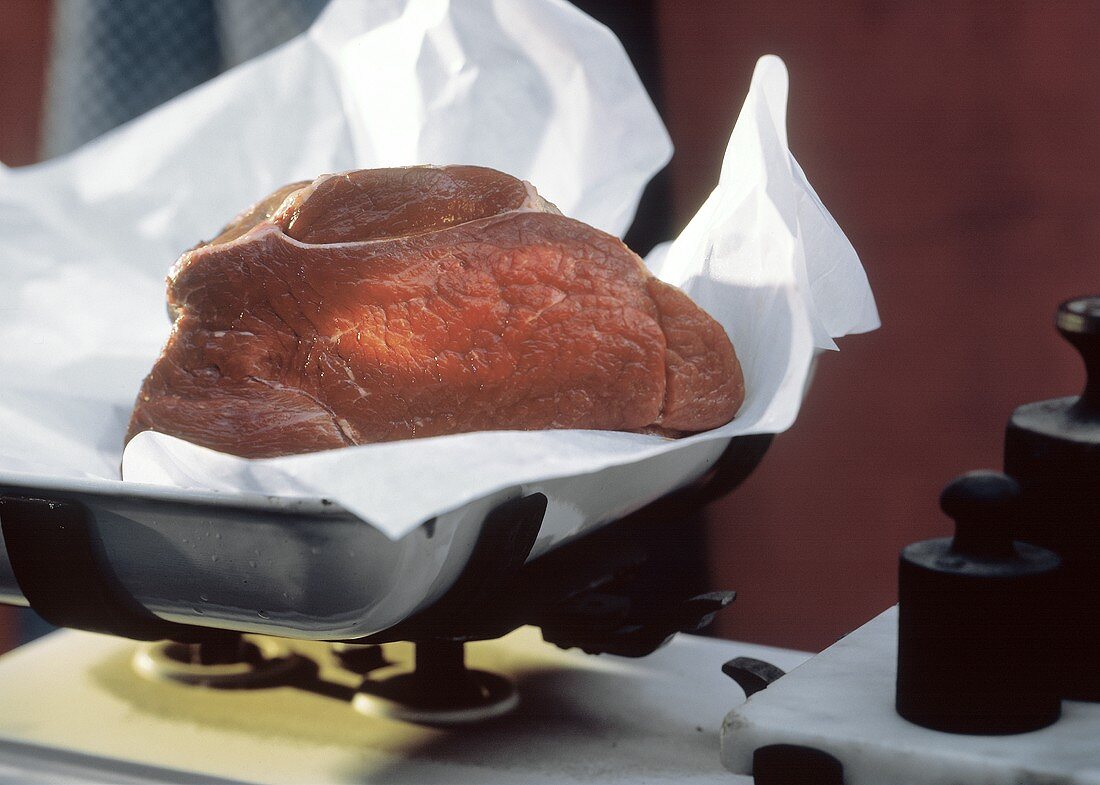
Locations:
(112, 60)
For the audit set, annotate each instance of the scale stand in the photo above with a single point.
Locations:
(434, 688)
(623, 590)
(233, 663)
(439, 690)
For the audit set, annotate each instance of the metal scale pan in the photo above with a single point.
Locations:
(149, 562)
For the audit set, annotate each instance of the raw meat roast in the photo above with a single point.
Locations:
(388, 304)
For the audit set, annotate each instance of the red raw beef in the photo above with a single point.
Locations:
(388, 304)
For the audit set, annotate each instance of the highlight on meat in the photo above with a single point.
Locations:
(386, 304)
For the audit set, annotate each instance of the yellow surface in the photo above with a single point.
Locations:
(580, 719)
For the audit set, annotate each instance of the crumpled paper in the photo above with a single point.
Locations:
(532, 87)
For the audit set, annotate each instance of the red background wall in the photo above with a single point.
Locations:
(24, 37)
(957, 144)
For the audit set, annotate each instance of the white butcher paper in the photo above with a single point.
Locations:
(531, 87)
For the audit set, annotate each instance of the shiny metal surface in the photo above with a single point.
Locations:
(306, 568)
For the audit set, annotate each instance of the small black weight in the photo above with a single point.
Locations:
(974, 623)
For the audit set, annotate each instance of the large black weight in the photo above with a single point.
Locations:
(1052, 448)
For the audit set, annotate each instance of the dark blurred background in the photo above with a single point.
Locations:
(956, 142)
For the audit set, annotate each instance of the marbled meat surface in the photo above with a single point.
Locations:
(389, 304)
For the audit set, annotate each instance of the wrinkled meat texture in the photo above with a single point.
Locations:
(396, 303)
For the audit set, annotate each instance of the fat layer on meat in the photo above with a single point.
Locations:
(389, 304)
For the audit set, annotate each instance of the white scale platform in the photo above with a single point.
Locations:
(842, 702)
(72, 710)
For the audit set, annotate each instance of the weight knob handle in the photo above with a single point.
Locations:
(1078, 321)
